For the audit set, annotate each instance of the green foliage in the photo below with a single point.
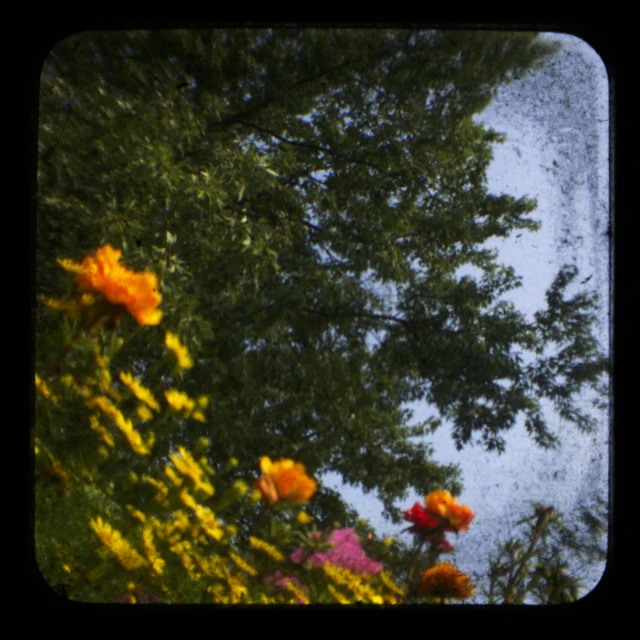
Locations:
(543, 564)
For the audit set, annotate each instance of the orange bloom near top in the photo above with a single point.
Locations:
(138, 292)
(443, 504)
(284, 480)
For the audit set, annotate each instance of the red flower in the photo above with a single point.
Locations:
(420, 518)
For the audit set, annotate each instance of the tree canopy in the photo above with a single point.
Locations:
(308, 199)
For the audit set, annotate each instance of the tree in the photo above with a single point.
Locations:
(307, 199)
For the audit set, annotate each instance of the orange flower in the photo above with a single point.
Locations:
(443, 504)
(445, 581)
(284, 480)
(138, 292)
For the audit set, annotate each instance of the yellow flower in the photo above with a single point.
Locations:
(284, 480)
(387, 542)
(296, 591)
(112, 539)
(104, 274)
(179, 401)
(341, 598)
(139, 391)
(179, 350)
(144, 413)
(157, 563)
(171, 474)
(387, 582)
(103, 433)
(240, 487)
(304, 518)
(270, 550)
(138, 515)
(187, 466)
(445, 581)
(44, 390)
(242, 564)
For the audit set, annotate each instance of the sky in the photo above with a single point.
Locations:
(557, 152)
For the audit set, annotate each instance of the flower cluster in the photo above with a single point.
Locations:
(285, 481)
(445, 581)
(442, 514)
(104, 274)
(345, 552)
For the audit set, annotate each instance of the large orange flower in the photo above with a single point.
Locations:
(285, 481)
(443, 504)
(138, 292)
(445, 581)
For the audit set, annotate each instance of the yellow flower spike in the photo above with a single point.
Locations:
(44, 390)
(129, 558)
(341, 598)
(187, 499)
(209, 523)
(303, 518)
(240, 563)
(144, 413)
(161, 487)
(102, 432)
(386, 580)
(157, 563)
(138, 515)
(179, 350)
(199, 416)
(256, 496)
(203, 401)
(73, 267)
(296, 591)
(233, 463)
(387, 542)
(171, 474)
(187, 466)
(179, 401)
(139, 391)
(270, 550)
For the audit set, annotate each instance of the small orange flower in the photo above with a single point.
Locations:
(445, 581)
(138, 292)
(443, 504)
(284, 480)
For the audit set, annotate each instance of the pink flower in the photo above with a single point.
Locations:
(345, 552)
